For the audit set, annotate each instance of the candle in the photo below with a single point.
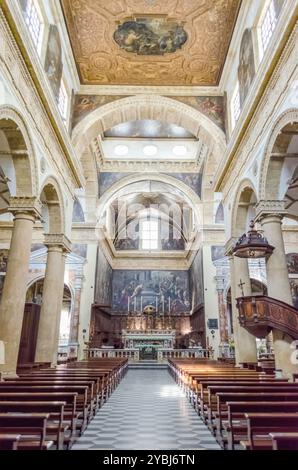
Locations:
(135, 304)
(128, 302)
(141, 303)
(163, 304)
(169, 304)
(156, 305)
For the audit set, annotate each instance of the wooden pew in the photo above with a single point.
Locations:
(55, 426)
(260, 425)
(70, 413)
(284, 441)
(9, 441)
(82, 405)
(212, 407)
(235, 426)
(31, 427)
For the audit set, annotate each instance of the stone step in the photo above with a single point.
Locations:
(147, 365)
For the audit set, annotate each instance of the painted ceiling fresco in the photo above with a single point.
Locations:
(137, 42)
(148, 129)
(150, 36)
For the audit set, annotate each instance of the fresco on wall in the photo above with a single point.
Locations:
(79, 249)
(107, 179)
(172, 244)
(211, 106)
(148, 129)
(37, 246)
(292, 262)
(150, 36)
(103, 280)
(3, 260)
(196, 280)
(193, 180)
(77, 212)
(84, 104)
(294, 291)
(219, 216)
(246, 68)
(217, 252)
(123, 244)
(166, 291)
(53, 62)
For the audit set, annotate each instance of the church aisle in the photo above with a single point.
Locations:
(147, 411)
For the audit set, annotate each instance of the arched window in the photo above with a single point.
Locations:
(149, 237)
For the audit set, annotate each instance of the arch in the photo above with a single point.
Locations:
(147, 107)
(244, 194)
(23, 155)
(192, 198)
(288, 117)
(51, 196)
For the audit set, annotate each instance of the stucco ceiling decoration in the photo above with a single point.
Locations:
(174, 42)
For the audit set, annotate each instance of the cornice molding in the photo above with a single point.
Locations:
(149, 90)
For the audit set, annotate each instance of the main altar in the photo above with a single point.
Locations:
(148, 342)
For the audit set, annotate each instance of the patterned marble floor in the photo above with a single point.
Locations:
(147, 411)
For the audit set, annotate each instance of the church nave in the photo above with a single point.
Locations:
(147, 411)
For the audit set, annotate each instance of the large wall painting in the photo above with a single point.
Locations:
(292, 262)
(166, 291)
(3, 266)
(107, 179)
(77, 212)
(150, 36)
(294, 292)
(148, 129)
(246, 69)
(211, 106)
(192, 180)
(85, 104)
(197, 281)
(217, 252)
(53, 62)
(103, 280)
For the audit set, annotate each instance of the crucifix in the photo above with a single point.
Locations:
(241, 284)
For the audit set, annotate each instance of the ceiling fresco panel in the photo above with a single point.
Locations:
(142, 42)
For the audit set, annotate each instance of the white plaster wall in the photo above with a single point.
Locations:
(210, 297)
(87, 297)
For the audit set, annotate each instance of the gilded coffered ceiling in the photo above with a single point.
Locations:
(150, 42)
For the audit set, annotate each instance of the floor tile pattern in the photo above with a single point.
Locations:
(147, 411)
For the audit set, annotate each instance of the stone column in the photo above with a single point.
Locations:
(270, 214)
(25, 210)
(48, 331)
(245, 343)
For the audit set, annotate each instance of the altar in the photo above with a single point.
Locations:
(148, 342)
